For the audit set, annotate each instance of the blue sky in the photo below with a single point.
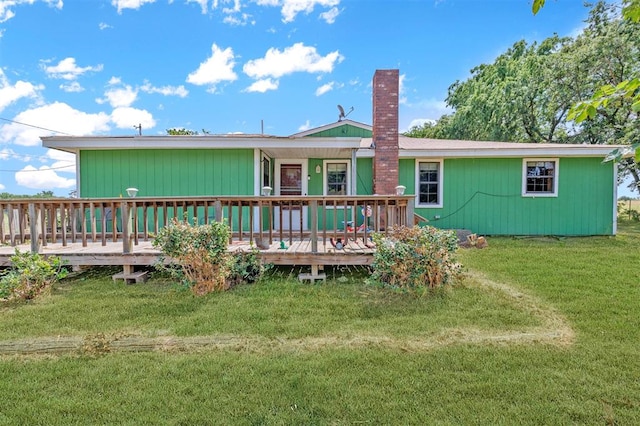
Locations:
(101, 67)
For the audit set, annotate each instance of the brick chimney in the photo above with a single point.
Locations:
(386, 86)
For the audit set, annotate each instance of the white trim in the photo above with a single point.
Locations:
(257, 170)
(325, 174)
(276, 173)
(515, 152)
(440, 162)
(556, 178)
(78, 174)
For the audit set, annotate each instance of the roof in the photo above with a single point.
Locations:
(274, 146)
(419, 147)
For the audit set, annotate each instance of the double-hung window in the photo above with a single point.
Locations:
(540, 177)
(337, 179)
(429, 183)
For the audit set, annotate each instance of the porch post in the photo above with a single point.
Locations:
(354, 172)
(33, 228)
(126, 244)
(410, 207)
(313, 207)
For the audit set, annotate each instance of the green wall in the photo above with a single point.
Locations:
(484, 196)
(344, 131)
(166, 172)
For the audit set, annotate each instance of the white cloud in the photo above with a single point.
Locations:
(203, 4)
(68, 70)
(305, 126)
(127, 118)
(216, 69)
(7, 153)
(240, 20)
(263, 85)
(56, 116)
(43, 178)
(7, 6)
(165, 90)
(120, 96)
(330, 15)
(129, 4)
(401, 95)
(104, 26)
(10, 93)
(297, 58)
(325, 88)
(2, 187)
(73, 87)
(291, 8)
(420, 122)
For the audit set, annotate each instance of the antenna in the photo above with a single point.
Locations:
(139, 127)
(342, 113)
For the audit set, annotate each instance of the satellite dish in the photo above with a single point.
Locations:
(342, 113)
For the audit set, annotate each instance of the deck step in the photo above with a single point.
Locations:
(129, 278)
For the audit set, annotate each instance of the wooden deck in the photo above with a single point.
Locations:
(296, 230)
(355, 252)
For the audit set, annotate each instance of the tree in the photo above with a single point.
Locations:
(533, 92)
(181, 132)
(625, 94)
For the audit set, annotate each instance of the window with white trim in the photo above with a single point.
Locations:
(429, 183)
(337, 177)
(540, 177)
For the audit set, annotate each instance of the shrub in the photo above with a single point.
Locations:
(201, 253)
(415, 259)
(247, 267)
(30, 275)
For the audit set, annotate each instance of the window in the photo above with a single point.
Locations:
(429, 183)
(540, 177)
(337, 178)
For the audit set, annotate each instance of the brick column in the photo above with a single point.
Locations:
(386, 87)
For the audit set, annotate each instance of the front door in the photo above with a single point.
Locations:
(290, 180)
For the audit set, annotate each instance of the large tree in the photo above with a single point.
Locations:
(530, 92)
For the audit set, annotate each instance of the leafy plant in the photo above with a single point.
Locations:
(201, 253)
(415, 259)
(30, 275)
(247, 267)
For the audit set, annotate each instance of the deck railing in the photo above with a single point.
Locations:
(257, 220)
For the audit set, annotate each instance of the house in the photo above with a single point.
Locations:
(492, 188)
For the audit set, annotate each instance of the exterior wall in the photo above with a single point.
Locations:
(484, 196)
(344, 131)
(170, 172)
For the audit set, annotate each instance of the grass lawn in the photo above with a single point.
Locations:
(544, 331)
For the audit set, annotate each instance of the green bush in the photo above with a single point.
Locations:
(204, 263)
(201, 253)
(415, 259)
(30, 275)
(247, 267)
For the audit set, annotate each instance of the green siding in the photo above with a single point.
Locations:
(168, 172)
(344, 131)
(484, 196)
(364, 176)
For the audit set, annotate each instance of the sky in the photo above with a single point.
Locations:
(117, 67)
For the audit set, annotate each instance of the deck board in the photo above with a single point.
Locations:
(295, 252)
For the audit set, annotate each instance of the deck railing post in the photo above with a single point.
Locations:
(410, 210)
(33, 228)
(313, 207)
(126, 244)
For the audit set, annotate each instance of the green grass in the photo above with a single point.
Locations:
(592, 283)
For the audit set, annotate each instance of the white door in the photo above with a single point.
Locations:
(290, 180)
